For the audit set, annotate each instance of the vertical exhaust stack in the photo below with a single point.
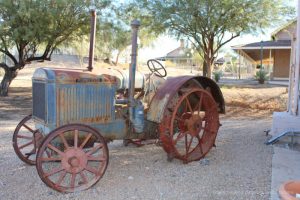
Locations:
(136, 108)
(132, 69)
(92, 36)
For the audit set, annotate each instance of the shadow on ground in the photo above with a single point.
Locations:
(18, 102)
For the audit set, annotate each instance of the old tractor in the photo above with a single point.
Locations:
(77, 112)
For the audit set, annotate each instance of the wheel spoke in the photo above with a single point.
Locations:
(48, 154)
(200, 104)
(61, 178)
(179, 136)
(199, 143)
(73, 178)
(54, 171)
(206, 129)
(83, 177)
(76, 138)
(85, 140)
(91, 169)
(93, 158)
(63, 139)
(185, 141)
(24, 137)
(50, 159)
(25, 145)
(55, 149)
(28, 128)
(189, 146)
(189, 105)
(94, 149)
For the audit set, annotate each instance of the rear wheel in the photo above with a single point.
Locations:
(192, 128)
(72, 158)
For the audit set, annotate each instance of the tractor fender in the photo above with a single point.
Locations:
(166, 96)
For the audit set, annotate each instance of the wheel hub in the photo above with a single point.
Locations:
(74, 160)
(194, 124)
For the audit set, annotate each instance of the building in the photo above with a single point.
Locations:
(181, 56)
(274, 54)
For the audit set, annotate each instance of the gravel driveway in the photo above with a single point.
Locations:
(239, 168)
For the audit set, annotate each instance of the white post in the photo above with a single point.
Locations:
(292, 73)
(296, 80)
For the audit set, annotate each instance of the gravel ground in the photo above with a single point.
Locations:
(239, 168)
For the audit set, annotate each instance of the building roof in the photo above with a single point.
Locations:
(279, 44)
(285, 26)
(177, 53)
(220, 61)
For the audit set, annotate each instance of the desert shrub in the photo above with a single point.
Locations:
(217, 75)
(261, 76)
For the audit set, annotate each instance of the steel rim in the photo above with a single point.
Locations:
(26, 140)
(72, 158)
(194, 125)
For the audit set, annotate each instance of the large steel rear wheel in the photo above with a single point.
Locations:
(191, 130)
(72, 158)
(26, 140)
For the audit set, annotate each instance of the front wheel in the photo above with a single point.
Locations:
(72, 158)
(26, 140)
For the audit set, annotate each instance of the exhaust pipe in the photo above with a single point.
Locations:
(92, 36)
(135, 26)
(135, 109)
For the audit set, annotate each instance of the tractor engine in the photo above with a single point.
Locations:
(64, 96)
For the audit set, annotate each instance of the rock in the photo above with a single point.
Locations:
(204, 161)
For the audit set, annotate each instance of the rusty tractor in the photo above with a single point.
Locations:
(77, 112)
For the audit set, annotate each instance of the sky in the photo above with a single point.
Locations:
(165, 44)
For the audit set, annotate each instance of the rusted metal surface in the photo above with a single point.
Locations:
(135, 120)
(172, 87)
(26, 140)
(92, 37)
(190, 131)
(72, 167)
(85, 103)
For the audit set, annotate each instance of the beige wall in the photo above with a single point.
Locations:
(281, 63)
(286, 33)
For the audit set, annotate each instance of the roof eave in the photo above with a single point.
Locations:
(258, 48)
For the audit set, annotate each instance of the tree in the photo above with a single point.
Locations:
(114, 33)
(30, 30)
(210, 24)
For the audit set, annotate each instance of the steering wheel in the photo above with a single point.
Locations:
(156, 67)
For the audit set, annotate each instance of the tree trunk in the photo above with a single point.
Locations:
(204, 68)
(117, 58)
(9, 74)
(207, 66)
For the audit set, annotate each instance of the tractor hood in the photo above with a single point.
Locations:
(118, 77)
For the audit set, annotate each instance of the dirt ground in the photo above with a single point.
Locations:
(238, 168)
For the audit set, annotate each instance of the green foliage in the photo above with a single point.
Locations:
(261, 75)
(217, 75)
(205, 22)
(36, 28)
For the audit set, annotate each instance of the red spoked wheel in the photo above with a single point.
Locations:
(192, 129)
(26, 140)
(72, 158)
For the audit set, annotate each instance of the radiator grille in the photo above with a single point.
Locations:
(85, 104)
(39, 100)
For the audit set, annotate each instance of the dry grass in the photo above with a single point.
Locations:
(254, 101)
(243, 99)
